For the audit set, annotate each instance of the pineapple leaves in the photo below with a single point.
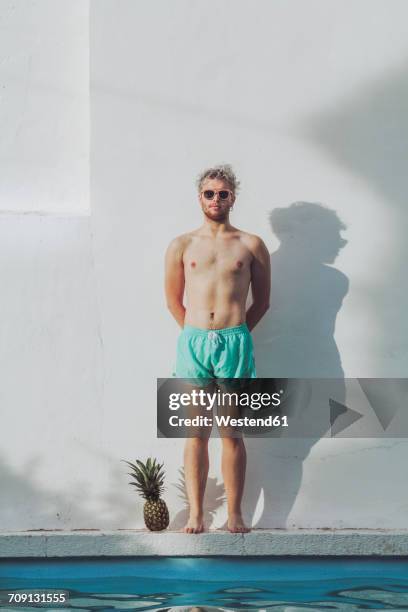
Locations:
(148, 478)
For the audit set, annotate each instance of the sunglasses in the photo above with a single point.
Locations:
(223, 194)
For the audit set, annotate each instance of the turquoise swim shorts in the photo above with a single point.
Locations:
(218, 353)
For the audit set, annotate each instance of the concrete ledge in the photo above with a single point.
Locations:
(279, 542)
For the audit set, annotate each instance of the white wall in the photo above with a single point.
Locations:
(51, 367)
(306, 101)
(44, 97)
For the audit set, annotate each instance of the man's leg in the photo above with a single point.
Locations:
(233, 471)
(195, 368)
(195, 474)
(237, 365)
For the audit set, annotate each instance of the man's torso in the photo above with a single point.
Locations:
(217, 273)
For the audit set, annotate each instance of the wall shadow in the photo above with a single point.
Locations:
(68, 509)
(44, 508)
(213, 500)
(366, 134)
(295, 339)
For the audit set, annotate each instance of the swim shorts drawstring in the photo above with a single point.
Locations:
(213, 337)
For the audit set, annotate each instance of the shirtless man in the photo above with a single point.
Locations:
(214, 266)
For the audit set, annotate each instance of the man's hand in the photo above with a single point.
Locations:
(174, 279)
(260, 281)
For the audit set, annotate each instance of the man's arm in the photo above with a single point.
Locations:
(260, 282)
(174, 280)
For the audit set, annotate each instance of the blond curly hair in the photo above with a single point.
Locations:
(223, 172)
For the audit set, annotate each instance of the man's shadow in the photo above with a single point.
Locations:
(295, 339)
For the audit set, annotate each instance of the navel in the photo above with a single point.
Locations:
(193, 264)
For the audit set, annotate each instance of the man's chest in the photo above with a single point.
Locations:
(204, 256)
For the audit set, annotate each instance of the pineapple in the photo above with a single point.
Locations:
(149, 479)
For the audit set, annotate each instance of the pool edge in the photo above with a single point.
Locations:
(132, 543)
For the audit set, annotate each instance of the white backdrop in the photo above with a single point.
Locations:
(307, 102)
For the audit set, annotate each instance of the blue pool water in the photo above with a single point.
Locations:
(211, 583)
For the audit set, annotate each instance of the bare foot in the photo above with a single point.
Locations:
(195, 524)
(236, 524)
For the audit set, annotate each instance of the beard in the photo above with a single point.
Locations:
(219, 215)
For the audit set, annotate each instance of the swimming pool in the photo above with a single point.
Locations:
(157, 583)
